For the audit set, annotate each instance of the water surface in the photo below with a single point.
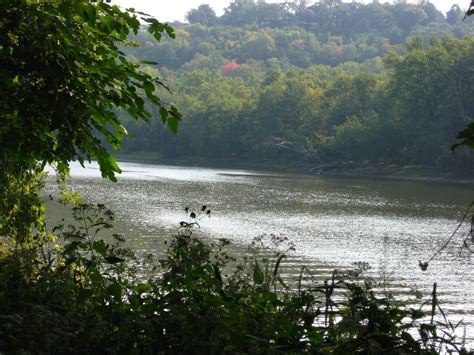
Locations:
(333, 221)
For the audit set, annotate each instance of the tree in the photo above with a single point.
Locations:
(240, 13)
(204, 14)
(258, 46)
(63, 80)
(467, 135)
(408, 16)
(432, 13)
(63, 75)
(454, 15)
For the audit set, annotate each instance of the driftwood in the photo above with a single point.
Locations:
(282, 143)
(324, 166)
(310, 155)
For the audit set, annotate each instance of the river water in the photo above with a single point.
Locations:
(333, 221)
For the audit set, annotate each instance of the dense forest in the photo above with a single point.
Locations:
(323, 83)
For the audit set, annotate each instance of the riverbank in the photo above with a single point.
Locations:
(343, 169)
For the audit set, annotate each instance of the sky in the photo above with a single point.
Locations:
(170, 10)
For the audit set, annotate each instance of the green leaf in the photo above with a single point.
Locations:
(467, 137)
(62, 166)
(280, 280)
(134, 301)
(170, 31)
(112, 259)
(100, 247)
(258, 276)
(141, 288)
(108, 164)
(148, 62)
(173, 124)
(149, 88)
(115, 290)
(90, 13)
(163, 114)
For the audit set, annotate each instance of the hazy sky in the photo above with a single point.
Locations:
(169, 10)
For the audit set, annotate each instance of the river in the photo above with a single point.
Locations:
(333, 221)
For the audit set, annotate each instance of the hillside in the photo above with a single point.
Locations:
(330, 82)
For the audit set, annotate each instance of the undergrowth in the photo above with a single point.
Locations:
(85, 295)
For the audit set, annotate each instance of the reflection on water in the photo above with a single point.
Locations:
(333, 222)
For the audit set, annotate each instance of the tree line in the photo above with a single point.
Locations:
(405, 108)
(294, 34)
(332, 81)
(329, 16)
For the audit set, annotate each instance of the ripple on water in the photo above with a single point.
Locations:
(333, 222)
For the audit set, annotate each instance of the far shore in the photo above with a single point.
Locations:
(377, 171)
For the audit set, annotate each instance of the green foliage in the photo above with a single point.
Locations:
(63, 73)
(466, 136)
(196, 299)
(406, 109)
(395, 90)
(303, 34)
(334, 17)
(204, 14)
(56, 297)
(21, 205)
(64, 77)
